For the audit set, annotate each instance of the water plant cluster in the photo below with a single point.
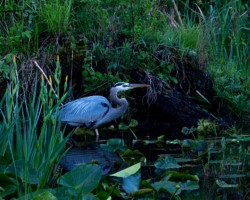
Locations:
(52, 51)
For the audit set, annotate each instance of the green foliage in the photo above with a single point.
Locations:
(223, 184)
(114, 38)
(114, 145)
(128, 171)
(31, 151)
(18, 38)
(111, 19)
(82, 180)
(56, 15)
(164, 72)
(228, 26)
(93, 78)
(174, 188)
(188, 37)
(232, 86)
(90, 18)
(166, 162)
(228, 30)
(5, 66)
(18, 27)
(132, 156)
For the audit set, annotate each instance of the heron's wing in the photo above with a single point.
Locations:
(84, 111)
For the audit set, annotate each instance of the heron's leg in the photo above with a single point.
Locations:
(97, 135)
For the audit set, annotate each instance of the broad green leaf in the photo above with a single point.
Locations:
(26, 34)
(103, 195)
(44, 196)
(146, 184)
(89, 197)
(98, 74)
(24, 171)
(175, 187)
(113, 145)
(170, 68)
(132, 156)
(166, 162)
(169, 186)
(195, 145)
(50, 194)
(6, 180)
(131, 183)
(84, 73)
(182, 176)
(189, 185)
(63, 193)
(133, 123)
(223, 184)
(83, 179)
(123, 126)
(110, 189)
(173, 79)
(128, 171)
(7, 190)
(141, 192)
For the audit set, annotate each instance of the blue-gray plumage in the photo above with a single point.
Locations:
(94, 111)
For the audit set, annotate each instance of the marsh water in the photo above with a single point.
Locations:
(211, 168)
(221, 165)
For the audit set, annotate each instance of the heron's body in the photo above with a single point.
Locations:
(90, 111)
(94, 111)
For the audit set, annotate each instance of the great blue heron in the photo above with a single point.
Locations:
(93, 111)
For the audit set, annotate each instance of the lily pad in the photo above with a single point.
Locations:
(195, 145)
(83, 179)
(166, 162)
(128, 171)
(169, 186)
(189, 185)
(132, 156)
(114, 145)
(131, 183)
(223, 184)
(175, 187)
(182, 176)
(133, 123)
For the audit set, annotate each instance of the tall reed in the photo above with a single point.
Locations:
(29, 131)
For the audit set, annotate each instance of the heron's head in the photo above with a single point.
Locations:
(121, 86)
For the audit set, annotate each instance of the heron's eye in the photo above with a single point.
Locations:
(118, 84)
(125, 85)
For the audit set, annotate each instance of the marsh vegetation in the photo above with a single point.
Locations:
(55, 51)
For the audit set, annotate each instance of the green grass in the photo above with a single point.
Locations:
(186, 38)
(56, 15)
(228, 27)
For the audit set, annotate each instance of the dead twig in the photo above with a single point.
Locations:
(177, 12)
(45, 76)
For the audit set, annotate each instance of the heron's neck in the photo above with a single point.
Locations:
(121, 102)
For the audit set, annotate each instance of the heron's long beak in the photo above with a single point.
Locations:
(135, 85)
